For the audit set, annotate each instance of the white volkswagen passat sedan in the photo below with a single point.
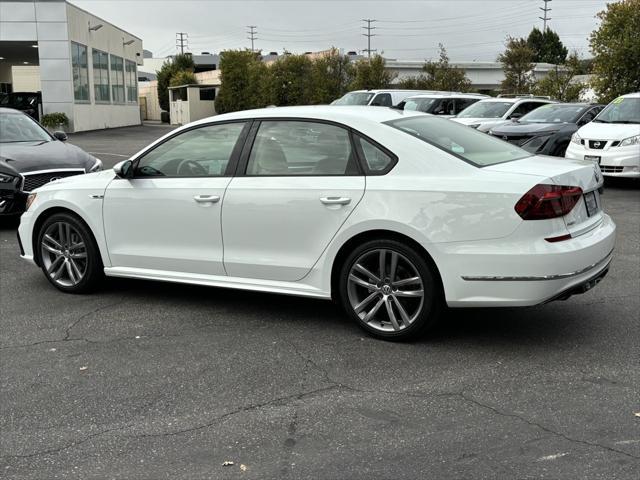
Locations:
(391, 213)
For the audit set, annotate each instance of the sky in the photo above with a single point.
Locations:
(470, 30)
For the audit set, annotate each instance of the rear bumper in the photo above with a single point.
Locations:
(525, 272)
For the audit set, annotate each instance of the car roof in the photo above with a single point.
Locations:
(336, 113)
(10, 110)
(385, 90)
(450, 94)
(631, 95)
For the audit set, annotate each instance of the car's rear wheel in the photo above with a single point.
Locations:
(389, 290)
(69, 256)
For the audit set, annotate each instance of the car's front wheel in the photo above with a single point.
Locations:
(389, 290)
(69, 256)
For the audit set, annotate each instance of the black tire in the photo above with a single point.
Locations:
(424, 313)
(90, 267)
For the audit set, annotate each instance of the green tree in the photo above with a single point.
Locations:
(517, 63)
(616, 49)
(371, 73)
(331, 76)
(240, 81)
(290, 80)
(440, 75)
(559, 83)
(183, 77)
(547, 46)
(169, 68)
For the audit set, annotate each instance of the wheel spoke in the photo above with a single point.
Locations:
(392, 315)
(361, 282)
(68, 234)
(70, 272)
(62, 267)
(383, 263)
(394, 266)
(373, 311)
(61, 237)
(366, 272)
(78, 255)
(51, 249)
(55, 264)
(358, 308)
(407, 281)
(403, 313)
(409, 293)
(76, 246)
(52, 241)
(75, 269)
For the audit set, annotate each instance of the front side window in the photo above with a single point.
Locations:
(289, 147)
(80, 67)
(526, 107)
(462, 103)
(486, 110)
(200, 152)
(132, 81)
(466, 143)
(117, 79)
(101, 76)
(382, 100)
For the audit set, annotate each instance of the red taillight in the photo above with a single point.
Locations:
(548, 201)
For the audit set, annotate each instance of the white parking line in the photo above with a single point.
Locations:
(552, 457)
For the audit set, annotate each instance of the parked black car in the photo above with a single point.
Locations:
(547, 130)
(27, 102)
(31, 157)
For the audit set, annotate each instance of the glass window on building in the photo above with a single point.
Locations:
(101, 76)
(79, 63)
(117, 79)
(132, 81)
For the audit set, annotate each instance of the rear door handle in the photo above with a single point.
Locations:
(335, 200)
(207, 198)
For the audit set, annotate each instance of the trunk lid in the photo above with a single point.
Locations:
(587, 214)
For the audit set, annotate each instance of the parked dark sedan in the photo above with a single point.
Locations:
(31, 157)
(547, 130)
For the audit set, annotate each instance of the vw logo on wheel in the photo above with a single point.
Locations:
(53, 179)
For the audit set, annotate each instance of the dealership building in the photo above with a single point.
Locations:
(84, 66)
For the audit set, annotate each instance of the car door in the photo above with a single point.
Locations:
(299, 182)
(167, 217)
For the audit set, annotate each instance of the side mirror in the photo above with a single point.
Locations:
(124, 169)
(515, 116)
(59, 135)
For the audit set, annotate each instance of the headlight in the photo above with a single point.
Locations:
(30, 199)
(97, 166)
(4, 178)
(575, 138)
(627, 142)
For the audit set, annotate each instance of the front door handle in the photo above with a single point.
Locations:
(207, 198)
(335, 200)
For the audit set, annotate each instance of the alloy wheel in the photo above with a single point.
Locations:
(385, 290)
(64, 254)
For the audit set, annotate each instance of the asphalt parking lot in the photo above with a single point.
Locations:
(153, 380)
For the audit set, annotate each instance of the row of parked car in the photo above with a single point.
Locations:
(608, 135)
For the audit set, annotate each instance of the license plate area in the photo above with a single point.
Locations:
(593, 158)
(592, 203)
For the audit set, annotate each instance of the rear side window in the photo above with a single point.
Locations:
(288, 147)
(376, 160)
(466, 143)
(382, 100)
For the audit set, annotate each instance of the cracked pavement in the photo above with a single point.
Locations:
(153, 380)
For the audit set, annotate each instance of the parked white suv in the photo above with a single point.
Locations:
(612, 139)
(491, 112)
(378, 98)
(446, 104)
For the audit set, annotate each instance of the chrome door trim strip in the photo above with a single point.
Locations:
(559, 276)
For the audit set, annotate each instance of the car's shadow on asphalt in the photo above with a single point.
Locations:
(542, 325)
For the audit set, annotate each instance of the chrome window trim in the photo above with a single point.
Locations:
(606, 259)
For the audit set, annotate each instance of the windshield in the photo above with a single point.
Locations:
(621, 110)
(419, 104)
(16, 127)
(555, 114)
(354, 98)
(466, 143)
(19, 99)
(485, 110)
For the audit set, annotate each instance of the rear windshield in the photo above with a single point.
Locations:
(464, 142)
(485, 110)
(354, 98)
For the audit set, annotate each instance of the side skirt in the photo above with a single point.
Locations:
(257, 285)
